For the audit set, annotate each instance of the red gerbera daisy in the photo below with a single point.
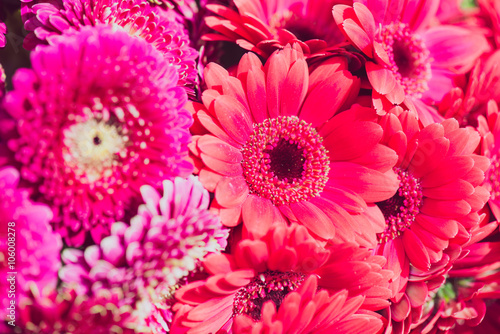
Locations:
(405, 52)
(263, 26)
(416, 303)
(473, 282)
(272, 154)
(262, 274)
(440, 191)
(311, 310)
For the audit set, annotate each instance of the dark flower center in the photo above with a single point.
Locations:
(285, 161)
(97, 140)
(409, 58)
(401, 209)
(268, 286)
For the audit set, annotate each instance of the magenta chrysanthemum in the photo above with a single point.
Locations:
(98, 116)
(166, 240)
(28, 247)
(158, 27)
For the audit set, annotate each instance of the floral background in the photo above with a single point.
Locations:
(249, 166)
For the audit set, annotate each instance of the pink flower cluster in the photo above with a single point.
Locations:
(251, 166)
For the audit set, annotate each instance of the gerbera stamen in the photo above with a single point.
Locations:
(285, 161)
(400, 210)
(409, 57)
(269, 285)
(92, 147)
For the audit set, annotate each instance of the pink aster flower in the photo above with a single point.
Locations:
(272, 279)
(407, 56)
(265, 26)
(45, 19)
(94, 126)
(167, 239)
(439, 195)
(28, 246)
(271, 155)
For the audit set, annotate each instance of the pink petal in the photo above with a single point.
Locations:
(371, 185)
(231, 191)
(382, 79)
(221, 167)
(358, 37)
(258, 215)
(337, 86)
(445, 209)
(454, 47)
(343, 144)
(401, 309)
(294, 88)
(234, 118)
(314, 219)
(219, 149)
(276, 74)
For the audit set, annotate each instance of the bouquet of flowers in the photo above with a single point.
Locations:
(250, 166)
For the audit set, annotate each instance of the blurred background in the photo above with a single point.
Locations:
(13, 55)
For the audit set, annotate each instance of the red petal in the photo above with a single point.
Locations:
(314, 219)
(401, 309)
(294, 88)
(338, 85)
(371, 185)
(415, 250)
